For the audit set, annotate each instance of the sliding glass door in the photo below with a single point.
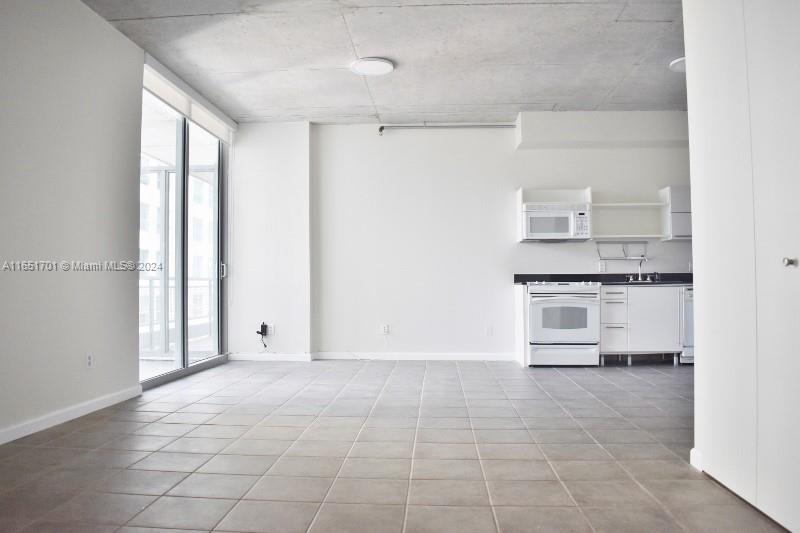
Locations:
(160, 298)
(179, 282)
(203, 244)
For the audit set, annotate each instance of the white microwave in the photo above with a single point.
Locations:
(556, 222)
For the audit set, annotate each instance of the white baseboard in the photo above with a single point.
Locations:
(60, 416)
(696, 459)
(270, 356)
(418, 356)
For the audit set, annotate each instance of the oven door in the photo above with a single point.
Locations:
(573, 319)
(549, 224)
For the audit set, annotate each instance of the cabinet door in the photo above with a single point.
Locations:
(681, 225)
(614, 338)
(680, 199)
(654, 319)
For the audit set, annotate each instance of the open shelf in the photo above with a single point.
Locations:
(631, 236)
(629, 205)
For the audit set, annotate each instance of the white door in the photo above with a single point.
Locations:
(654, 319)
(774, 79)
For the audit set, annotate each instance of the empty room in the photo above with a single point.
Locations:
(399, 266)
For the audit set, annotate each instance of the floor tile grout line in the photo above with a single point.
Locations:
(299, 391)
(414, 447)
(91, 487)
(344, 460)
(58, 466)
(611, 407)
(545, 456)
(477, 451)
(157, 498)
(625, 371)
(620, 464)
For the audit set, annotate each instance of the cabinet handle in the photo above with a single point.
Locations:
(615, 327)
(790, 261)
(615, 292)
(614, 302)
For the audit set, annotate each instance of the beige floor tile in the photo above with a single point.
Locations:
(358, 518)
(529, 493)
(306, 466)
(441, 519)
(544, 519)
(147, 482)
(254, 465)
(198, 485)
(516, 469)
(447, 492)
(290, 489)
(101, 508)
(371, 468)
(630, 519)
(269, 517)
(172, 462)
(183, 513)
(376, 491)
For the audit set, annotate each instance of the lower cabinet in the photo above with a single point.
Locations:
(654, 319)
(641, 320)
(614, 338)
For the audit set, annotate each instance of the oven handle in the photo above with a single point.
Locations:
(595, 300)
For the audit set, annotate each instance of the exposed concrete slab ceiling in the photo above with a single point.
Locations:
(457, 60)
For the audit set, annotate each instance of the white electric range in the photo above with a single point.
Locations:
(564, 327)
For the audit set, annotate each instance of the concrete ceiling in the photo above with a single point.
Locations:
(457, 60)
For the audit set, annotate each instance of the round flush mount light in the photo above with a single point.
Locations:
(371, 66)
(678, 65)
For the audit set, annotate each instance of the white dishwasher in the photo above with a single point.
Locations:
(687, 355)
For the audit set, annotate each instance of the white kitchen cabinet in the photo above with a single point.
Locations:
(654, 319)
(614, 311)
(676, 217)
(613, 292)
(613, 338)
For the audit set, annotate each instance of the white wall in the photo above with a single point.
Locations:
(269, 275)
(723, 232)
(69, 146)
(417, 229)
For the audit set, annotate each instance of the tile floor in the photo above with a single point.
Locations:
(368, 447)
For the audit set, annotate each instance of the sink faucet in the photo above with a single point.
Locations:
(642, 260)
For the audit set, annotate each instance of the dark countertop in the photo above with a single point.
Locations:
(667, 278)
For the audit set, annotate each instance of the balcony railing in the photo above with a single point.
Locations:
(155, 320)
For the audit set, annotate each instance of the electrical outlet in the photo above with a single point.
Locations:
(601, 266)
(89, 360)
(490, 331)
(385, 330)
(270, 329)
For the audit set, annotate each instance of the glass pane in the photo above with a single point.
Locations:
(565, 317)
(554, 224)
(159, 292)
(202, 245)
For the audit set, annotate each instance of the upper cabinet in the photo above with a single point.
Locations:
(573, 215)
(676, 212)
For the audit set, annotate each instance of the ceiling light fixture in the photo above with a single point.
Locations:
(678, 65)
(371, 66)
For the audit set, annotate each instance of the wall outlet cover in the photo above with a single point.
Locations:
(385, 330)
(601, 266)
(270, 329)
(89, 360)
